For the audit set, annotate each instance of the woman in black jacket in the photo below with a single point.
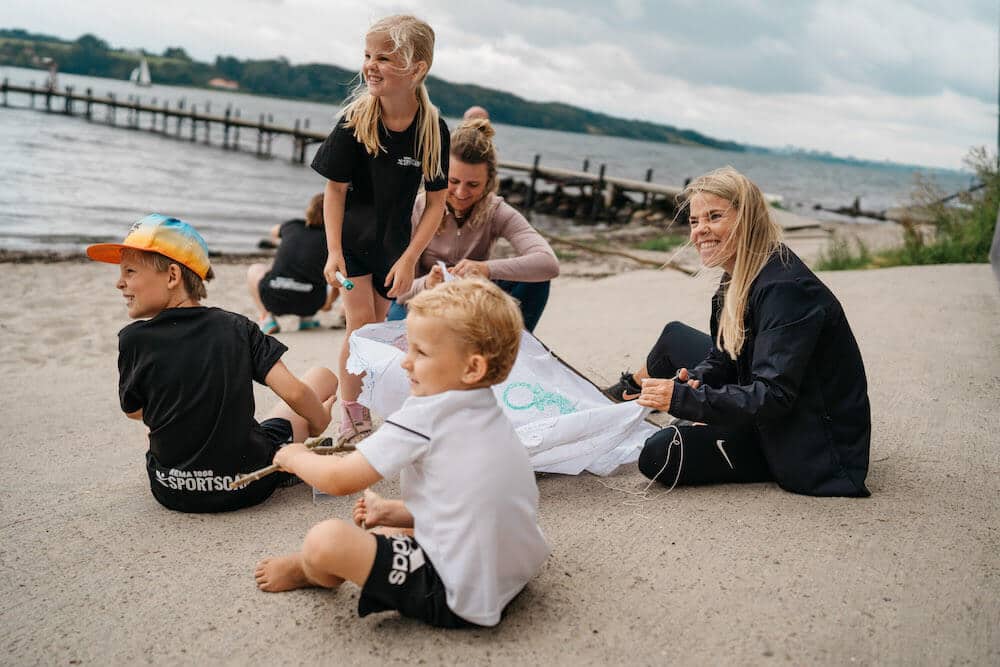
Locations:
(781, 394)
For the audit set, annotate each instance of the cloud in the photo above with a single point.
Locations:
(913, 80)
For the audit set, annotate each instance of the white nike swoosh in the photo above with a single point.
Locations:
(718, 443)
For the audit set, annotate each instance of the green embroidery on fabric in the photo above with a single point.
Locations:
(540, 399)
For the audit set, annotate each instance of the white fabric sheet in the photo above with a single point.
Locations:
(565, 422)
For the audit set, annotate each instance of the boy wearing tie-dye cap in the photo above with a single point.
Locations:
(187, 372)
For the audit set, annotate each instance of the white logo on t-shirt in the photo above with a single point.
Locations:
(407, 161)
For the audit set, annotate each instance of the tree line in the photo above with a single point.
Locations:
(92, 56)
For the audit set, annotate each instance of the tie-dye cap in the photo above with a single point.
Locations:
(170, 237)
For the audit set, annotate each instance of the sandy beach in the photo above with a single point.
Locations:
(96, 572)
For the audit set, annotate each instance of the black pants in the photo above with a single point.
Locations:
(705, 454)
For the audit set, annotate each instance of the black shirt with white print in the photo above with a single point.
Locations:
(191, 372)
(382, 188)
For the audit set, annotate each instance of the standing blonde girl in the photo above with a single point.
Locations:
(389, 140)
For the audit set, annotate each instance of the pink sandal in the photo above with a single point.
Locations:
(355, 424)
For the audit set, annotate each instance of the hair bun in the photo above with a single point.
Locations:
(481, 125)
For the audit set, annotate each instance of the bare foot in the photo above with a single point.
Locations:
(369, 510)
(281, 573)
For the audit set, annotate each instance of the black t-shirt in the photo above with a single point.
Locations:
(301, 254)
(191, 371)
(383, 188)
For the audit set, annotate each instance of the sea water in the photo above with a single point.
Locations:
(66, 182)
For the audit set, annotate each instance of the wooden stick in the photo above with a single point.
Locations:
(318, 445)
(618, 253)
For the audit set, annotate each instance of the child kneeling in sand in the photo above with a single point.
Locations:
(468, 489)
(187, 372)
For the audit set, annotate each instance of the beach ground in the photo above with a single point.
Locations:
(96, 572)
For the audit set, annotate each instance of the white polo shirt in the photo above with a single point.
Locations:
(466, 479)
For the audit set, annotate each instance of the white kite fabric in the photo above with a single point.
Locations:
(565, 422)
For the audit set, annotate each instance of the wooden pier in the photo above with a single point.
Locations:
(191, 124)
(179, 121)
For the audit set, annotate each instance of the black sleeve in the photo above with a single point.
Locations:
(715, 370)
(336, 155)
(441, 182)
(285, 225)
(129, 391)
(265, 351)
(788, 323)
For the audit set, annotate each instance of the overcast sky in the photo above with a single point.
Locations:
(907, 80)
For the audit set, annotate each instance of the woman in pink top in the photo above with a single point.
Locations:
(474, 219)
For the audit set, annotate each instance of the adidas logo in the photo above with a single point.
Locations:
(404, 560)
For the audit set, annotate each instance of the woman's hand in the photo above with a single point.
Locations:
(334, 262)
(657, 393)
(434, 278)
(685, 377)
(400, 276)
(470, 267)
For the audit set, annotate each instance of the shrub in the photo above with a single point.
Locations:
(958, 233)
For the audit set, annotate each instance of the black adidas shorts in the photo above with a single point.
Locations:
(403, 579)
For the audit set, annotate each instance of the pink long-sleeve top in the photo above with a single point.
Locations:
(535, 261)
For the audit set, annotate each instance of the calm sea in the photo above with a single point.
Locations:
(66, 182)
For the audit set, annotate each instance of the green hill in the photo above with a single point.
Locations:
(93, 56)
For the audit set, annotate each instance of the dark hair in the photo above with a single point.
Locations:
(314, 211)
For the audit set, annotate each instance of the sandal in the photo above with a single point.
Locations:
(269, 326)
(353, 428)
(306, 323)
(626, 385)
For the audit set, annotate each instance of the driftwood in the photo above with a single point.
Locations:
(317, 445)
(670, 264)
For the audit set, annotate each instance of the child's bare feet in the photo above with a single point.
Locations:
(281, 573)
(369, 510)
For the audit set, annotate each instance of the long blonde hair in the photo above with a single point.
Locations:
(472, 143)
(413, 40)
(754, 238)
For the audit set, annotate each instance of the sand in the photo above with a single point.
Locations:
(95, 571)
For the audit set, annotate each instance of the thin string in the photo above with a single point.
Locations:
(644, 495)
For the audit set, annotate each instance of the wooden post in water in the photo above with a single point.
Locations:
(180, 118)
(89, 109)
(295, 140)
(534, 178)
(260, 135)
(598, 193)
(236, 133)
(166, 115)
(68, 101)
(645, 196)
(112, 109)
(225, 127)
(208, 123)
(6, 83)
(48, 99)
(270, 135)
(152, 116)
(194, 122)
(32, 93)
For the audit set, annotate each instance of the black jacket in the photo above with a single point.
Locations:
(799, 382)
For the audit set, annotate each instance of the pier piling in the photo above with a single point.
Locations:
(534, 180)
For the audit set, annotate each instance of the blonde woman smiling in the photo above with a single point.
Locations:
(781, 395)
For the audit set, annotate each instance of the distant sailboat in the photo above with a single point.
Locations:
(140, 75)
